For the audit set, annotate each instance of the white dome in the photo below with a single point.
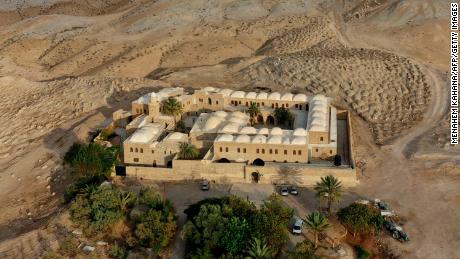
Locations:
(237, 120)
(238, 94)
(274, 96)
(300, 98)
(238, 114)
(212, 123)
(263, 131)
(299, 132)
(251, 95)
(319, 97)
(220, 114)
(287, 97)
(274, 140)
(262, 96)
(226, 92)
(243, 139)
(248, 130)
(276, 131)
(225, 138)
(230, 128)
(299, 141)
(259, 139)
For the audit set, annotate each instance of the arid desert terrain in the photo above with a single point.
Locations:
(66, 65)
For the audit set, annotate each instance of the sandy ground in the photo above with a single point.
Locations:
(65, 66)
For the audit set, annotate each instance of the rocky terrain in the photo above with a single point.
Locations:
(66, 65)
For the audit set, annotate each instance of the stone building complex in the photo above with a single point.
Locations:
(235, 146)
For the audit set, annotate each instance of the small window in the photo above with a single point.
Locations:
(220, 149)
(271, 151)
(287, 105)
(263, 104)
(137, 150)
(239, 102)
(244, 150)
(217, 102)
(285, 152)
(238, 150)
(300, 107)
(321, 138)
(316, 150)
(153, 152)
(226, 149)
(246, 103)
(273, 105)
(282, 105)
(276, 151)
(330, 152)
(296, 105)
(293, 152)
(257, 151)
(130, 149)
(258, 104)
(285, 161)
(170, 152)
(263, 151)
(142, 150)
(165, 152)
(300, 152)
(136, 159)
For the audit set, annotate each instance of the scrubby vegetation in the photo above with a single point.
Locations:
(303, 250)
(90, 165)
(360, 218)
(106, 212)
(233, 227)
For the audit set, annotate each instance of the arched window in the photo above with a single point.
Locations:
(209, 101)
(142, 150)
(293, 152)
(238, 150)
(296, 105)
(226, 149)
(220, 149)
(321, 138)
(263, 151)
(300, 152)
(244, 150)
(276, 151)
(271, 151)
(285, 152)
(136, 150)
(130, 149)
(316, 150)
(257, 151)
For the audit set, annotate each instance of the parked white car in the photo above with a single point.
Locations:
(297, 228)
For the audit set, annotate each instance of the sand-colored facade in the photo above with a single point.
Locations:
(223, 130)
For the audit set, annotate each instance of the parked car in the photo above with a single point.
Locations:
(204, 185)
(396, 231)
(293, 190)
(297, 228)
(284, 191)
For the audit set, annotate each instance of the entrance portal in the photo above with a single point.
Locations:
(255, 177)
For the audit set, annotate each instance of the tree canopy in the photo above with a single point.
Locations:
(172, 107)
(360, 218)
(282, 115)
(188, 151)
(329, 188)
(229, 227)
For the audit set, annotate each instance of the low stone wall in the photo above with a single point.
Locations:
(241, 173)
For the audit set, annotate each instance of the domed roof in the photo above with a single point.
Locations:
(274, 96)
(263, 131)
(287, 97)
(212, 123)
(299, 140)
(243, 139)
(230, 128)
(251, 95)
(248, 130)
(274, 140)
(209, 89)
(259, 139)
(276, 131)
(220, 114)
(262, 96)
(224, 138)
(319, 97)
(237, 94)
(286, 141)
(237, 120)
(226, 92)
(299, 132)
(300, 98)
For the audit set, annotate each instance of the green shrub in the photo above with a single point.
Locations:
(360, 219)
(117, 252)
(362, 253)
(68, 247)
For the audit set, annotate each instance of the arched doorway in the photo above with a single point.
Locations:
(223, 160)
(169, 164)
(255, 176)
(209, 101)
(260, 119)
(258, 162)
(270, 120)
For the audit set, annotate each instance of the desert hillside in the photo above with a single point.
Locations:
(65, 65)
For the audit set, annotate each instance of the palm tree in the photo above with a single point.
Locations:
(330, 188)
(259, 249)
(188, 151)
(253, 111)
(282, 115)
(317, 223)
(172, 107)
